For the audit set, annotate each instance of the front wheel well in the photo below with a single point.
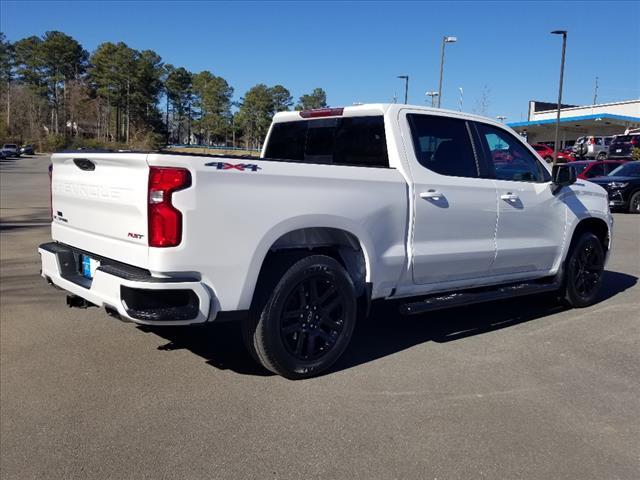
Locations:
(596, 226)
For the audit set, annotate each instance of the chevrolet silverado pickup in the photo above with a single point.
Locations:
(430, 207)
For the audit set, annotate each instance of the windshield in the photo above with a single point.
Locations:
(631, 169)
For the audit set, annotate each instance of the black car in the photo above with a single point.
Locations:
(623, 187)
(622, 146)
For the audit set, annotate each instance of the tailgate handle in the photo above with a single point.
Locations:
(84, 164)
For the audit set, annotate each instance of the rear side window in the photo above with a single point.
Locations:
(443, 145)
(596, 171)
(354, 141)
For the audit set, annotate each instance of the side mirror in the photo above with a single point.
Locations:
(564, 175)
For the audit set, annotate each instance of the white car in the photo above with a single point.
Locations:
(346, 205)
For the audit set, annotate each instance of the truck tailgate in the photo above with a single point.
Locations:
(99, 204)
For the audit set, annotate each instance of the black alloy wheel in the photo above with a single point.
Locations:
(585, 268)
(312, 317)
(306, 318)
(634, 203)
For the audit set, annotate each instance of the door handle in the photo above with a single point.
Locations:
(431, 195)
(510, 197)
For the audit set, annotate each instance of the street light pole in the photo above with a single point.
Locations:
(446, 39)
(564, 47)
(406, 86)
(432, 95)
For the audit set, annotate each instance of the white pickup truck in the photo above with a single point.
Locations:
(345, 205)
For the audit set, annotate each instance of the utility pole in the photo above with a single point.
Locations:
(461, 96)
(564, 47)
(595, 92)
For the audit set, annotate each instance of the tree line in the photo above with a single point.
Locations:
(56, 94)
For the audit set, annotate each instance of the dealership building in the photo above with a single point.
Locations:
(575, 121)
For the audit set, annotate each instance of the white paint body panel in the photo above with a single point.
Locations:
(531, 227)
(232, 218)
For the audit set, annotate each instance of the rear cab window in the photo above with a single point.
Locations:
(443, 145)
(348, 141)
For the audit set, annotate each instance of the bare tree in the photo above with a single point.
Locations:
(481, 106)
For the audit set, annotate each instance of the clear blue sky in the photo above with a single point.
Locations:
(355, 50)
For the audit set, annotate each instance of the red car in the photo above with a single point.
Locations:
(546, 153)
(595, 168)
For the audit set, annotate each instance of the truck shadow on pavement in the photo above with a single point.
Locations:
(386, 332)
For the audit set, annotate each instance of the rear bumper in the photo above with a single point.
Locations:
(132, 292)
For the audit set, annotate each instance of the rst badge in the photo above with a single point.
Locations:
(234, 166)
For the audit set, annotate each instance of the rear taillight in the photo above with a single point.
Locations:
(634, 141)
(51, 191)
(165, 221)
(592, 141)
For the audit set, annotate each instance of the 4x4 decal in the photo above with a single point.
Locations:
(234, 166)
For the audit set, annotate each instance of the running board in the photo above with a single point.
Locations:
(469, 297)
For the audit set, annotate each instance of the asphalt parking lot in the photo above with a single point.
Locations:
(515, 389)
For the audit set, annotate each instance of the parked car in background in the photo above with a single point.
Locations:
(589, 169)
(568, 151)
(546, 152)
(623, 187)
(27, 150)
(592, 147)
(622, 145)
(11, 150)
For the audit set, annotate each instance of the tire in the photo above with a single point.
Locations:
(303, 324)
(548, 159)
(583, 271)
(601, 156)
(634, 203)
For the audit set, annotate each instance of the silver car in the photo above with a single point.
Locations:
(11, 150)
(592, 147)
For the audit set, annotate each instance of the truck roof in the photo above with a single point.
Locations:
(369, 109)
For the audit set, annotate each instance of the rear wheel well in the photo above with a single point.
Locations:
(593, 225)
(338, 244)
